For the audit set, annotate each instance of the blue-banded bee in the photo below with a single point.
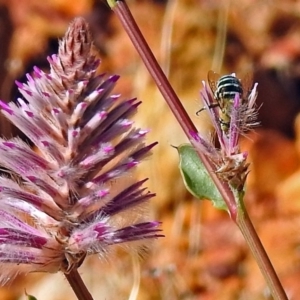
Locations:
(224, 89)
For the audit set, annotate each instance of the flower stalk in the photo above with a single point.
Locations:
(78, 285)
(227, 166)
(122, 11)
(259, 253)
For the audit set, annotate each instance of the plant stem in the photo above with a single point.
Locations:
(78, 285)
(122, 11)
(246, 227)
(240, 216)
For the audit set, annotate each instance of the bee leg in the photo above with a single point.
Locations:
(207, 107)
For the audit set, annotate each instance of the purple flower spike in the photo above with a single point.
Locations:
(67, 186)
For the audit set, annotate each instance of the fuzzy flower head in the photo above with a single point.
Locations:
(232, 110)
(59, 202)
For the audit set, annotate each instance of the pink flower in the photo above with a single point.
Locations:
(60, 202)
(230, 162)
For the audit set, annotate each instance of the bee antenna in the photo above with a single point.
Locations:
(200, 110)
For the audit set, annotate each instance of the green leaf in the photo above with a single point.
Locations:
(30, 297)
(196, 178)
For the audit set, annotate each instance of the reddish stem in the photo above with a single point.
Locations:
(243, 221)
(245, 225)
(78, 285)
(122, 11)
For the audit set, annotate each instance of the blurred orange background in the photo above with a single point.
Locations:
(203, 255)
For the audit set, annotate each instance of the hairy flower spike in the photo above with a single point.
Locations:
(240, 113)
(85, 141)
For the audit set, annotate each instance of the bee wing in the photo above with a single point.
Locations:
(247, 83)
(213, 78)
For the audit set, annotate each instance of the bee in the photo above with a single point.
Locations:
(224, 89)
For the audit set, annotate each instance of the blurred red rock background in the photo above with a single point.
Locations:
(203, 255)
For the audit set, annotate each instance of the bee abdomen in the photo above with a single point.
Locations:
(227, 87)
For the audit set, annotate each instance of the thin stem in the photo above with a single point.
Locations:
(245, 225)
(122, 11)
(221, 36)
(78, 285)
(240, 217)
